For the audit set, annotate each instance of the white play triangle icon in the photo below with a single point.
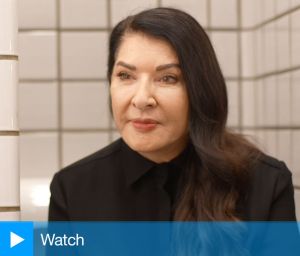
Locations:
(15, 239)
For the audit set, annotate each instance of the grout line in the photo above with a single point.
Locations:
(59, 86)
(276, 17)
(159, 3)
(65, 30)
(8, 57)
(52, 80)
(10, 208)
(38, 80)
(272, 73)
(279, 72)
(99, 79)
(223, 29)
(9, 133)
(73, 130)
(42, 30)
(208, 29)
(230, 78)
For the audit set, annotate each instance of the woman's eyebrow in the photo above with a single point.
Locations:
(126, 65)
(166, 66)
(158, 68)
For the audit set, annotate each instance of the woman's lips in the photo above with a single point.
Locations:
(144, 124)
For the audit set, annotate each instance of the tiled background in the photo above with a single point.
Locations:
(9, 131)
(63, 92)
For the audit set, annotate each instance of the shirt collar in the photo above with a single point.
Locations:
(135, 165)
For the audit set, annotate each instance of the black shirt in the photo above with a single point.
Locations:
(117, 183)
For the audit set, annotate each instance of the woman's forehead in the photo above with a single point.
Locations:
(138, 45)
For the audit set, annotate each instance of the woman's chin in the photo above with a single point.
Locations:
(145, 145)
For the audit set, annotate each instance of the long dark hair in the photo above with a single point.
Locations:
(217, 170)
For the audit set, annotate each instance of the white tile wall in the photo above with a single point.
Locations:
(116, 135)
(268, 7)
(260, 136)
(270, 101)
(248, 54)
(248, 103)
(282, 43)
(8, 27)
(120, 9)
(270, 142)
(9, 216)
(79, 145)
(269, 48)
(38, 155)
(259, 11)
(224, 13)
(84, 55)
(259, 51)
(226, 53)
(38, 105)
(250, 135)
(284, 147)
(8, 95)
(83, 13)
(260, 103)
(85, 105)
(295, 38)
(37, 13)
(233, 113)
(198, 9)
(9, 171)
(38, 55)
(35, 198)
(295, 98)
(284, 99)
(295, 3)
(282, 6)
(295, 156)
(249, 14)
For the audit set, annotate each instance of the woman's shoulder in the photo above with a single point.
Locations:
(269, 195)
(269, 173)
(271, 166)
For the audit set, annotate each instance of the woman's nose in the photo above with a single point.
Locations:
(143, 97)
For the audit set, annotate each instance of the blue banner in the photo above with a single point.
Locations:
(149, 238)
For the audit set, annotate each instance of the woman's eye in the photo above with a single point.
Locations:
(169, 79)
(124, 76)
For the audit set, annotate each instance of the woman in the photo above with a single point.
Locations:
(175, 160)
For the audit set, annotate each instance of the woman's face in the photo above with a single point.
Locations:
(149, 97)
